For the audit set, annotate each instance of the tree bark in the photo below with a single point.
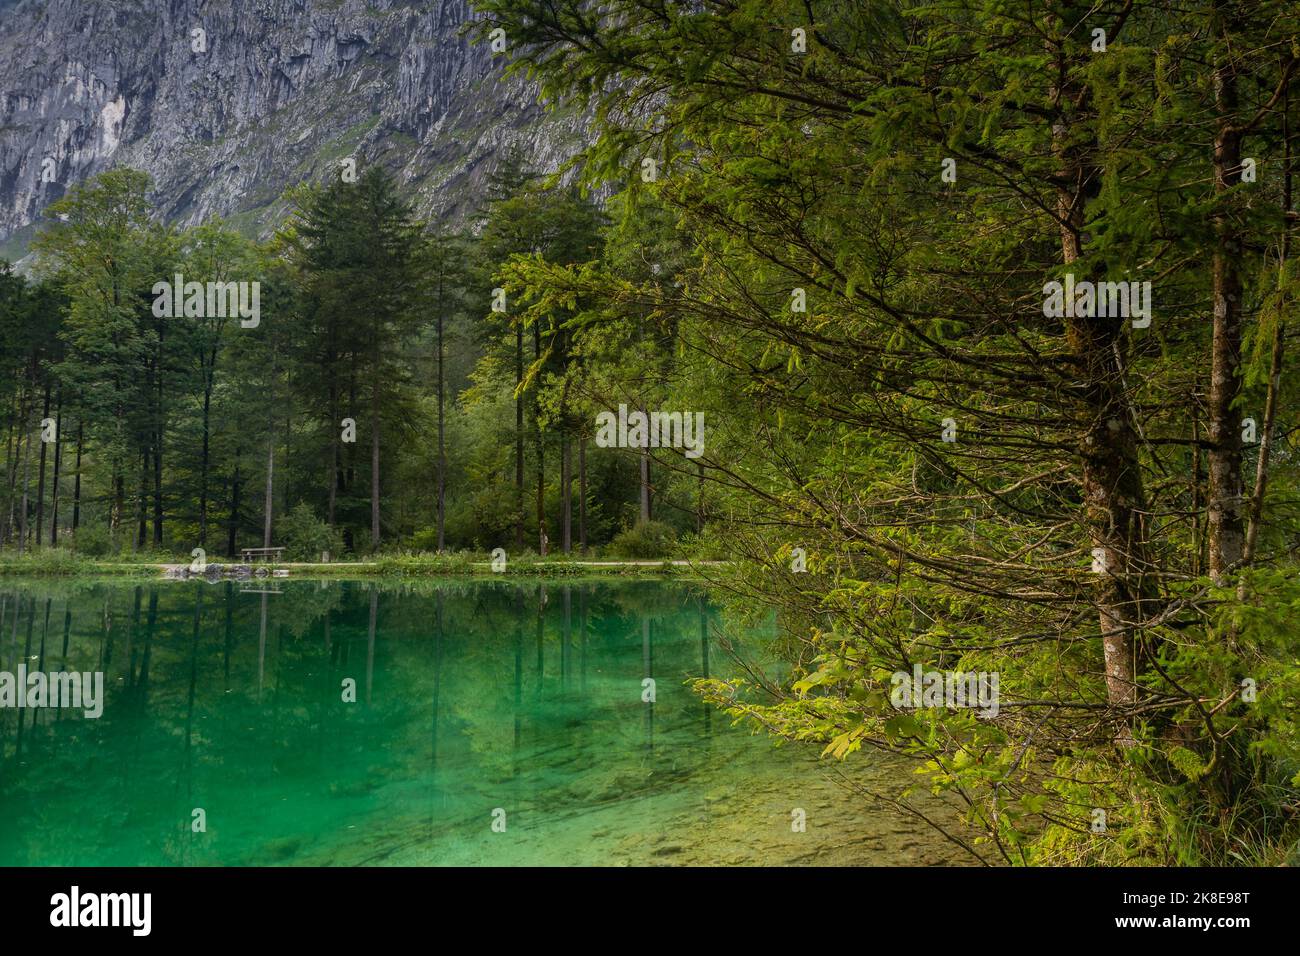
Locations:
(12, 472)
(142, 526)
(332, 486)
(541, 455)
(58, 460)
(1275, 361)
(442, 449)
(1111, 478)
(699, 498)
(76, 480)
(157, 485)
(333, 475)
(582, 492)
(645, 485)
(40, 481)
(119, 501)
(350, 472)
(374, 463)
(519, 437)
(158, 428)
(204, 464)
(26, 455)
(270, 488)
(232, 533)
(1225, 505)
(566, 493)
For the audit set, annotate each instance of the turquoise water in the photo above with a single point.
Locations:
(493, 723)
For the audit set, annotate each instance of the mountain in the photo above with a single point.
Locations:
(271, 93)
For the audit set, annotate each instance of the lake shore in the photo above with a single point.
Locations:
(65, 564)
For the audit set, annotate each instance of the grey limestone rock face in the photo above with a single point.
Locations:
(281, 92)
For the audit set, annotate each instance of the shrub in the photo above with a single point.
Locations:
(426, 539)
(94, 541)
(705, 546)
(305, 536)
(646, 540)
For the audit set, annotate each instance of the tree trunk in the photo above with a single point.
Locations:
(645, 485)
(333, 478)
(442, 450)
(541, 455)
(76, 480)
(1111, 480)
(286, 473)
(336, 423)
(158, 429)
(40, 481)
(519, 437)
(566, 492)
(16, 467)
(204, 464)
(374, 464)
(1225, 505)
(58, 460)
(157, 484)
(12, 472)
(118, 510)
(582, 492)
(335, 438)
(699, 499)
(1275, 363)
(270, 489)
(26, 454)
(233, 525)
(142, 527)
(350, 472)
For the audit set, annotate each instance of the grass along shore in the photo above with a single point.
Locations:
(65, 563)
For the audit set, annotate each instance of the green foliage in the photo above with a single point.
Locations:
(821, 172)
(644, 540)
(305, 536)
(95, 541)
(799, 272)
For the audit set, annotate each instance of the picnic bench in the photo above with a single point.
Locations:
(264, 554)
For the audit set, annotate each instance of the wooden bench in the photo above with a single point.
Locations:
(266, 554)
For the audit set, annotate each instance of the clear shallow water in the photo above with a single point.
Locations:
(472, 698)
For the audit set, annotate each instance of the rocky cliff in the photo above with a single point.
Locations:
(228, 104)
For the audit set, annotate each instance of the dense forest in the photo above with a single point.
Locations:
(985, 310)
(381, 397)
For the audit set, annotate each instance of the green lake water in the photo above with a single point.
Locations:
(519, 704)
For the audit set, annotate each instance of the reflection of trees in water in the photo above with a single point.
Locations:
(482, 693)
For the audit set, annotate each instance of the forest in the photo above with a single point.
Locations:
(985, 310)
(377, 400)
